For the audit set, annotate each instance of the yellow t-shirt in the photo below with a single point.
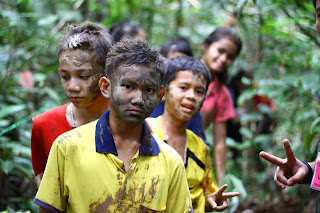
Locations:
(198, 166)
(84, 174)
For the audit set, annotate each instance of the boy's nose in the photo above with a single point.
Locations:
(191, 94)
(73, 85)
(137, 99)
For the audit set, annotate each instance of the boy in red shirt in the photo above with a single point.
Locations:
(82, 53)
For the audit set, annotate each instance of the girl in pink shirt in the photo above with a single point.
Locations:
(220, 49)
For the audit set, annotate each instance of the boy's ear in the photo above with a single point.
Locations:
(164, 96)
(161, 94)
(104, 85)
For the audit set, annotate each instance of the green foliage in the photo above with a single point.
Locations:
(281, 52)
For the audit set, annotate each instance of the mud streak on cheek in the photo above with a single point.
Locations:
(94, 85)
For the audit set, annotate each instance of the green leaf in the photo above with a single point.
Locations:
(53, 95)
(236, 185)
(48, 20)
(4, 123)
(246, 133)
(7, 166)
(315, 124)
(238, 145)
(308, 139)
(11, 110)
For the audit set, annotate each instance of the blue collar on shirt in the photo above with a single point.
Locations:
(105, 142)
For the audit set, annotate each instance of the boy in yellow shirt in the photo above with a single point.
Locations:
(186, 82)
(115, 164)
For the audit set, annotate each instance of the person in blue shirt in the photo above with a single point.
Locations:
(180, 47)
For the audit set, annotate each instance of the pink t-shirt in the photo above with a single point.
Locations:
(218, 100)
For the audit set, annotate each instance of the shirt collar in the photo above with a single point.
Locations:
(105, 142)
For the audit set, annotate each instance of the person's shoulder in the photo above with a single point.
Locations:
(195, 142)
(194, 139)
(78, 135)
(225, 89)
(167, 151)
(52, 113)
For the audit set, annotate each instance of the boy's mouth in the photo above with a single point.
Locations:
(188, 107)
(75, 99)
(135, 111)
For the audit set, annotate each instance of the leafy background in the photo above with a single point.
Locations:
(281, 51)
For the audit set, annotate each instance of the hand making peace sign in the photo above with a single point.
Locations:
(218, 200)
(290, 170)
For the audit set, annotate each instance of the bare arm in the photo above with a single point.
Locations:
(43, 210)
(38, 179)
(206, 118)
(220, 148)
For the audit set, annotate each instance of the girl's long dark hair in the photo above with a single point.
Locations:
(224, 33)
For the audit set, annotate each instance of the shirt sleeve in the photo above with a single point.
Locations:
(52, 194)
(38, 156)
(179, 199)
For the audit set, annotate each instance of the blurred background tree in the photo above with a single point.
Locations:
(281, 51)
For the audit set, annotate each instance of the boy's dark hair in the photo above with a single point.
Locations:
(224, 33)
(183, 63)
(130, 51)
(179, 44)
(124, 30)
(87, 36)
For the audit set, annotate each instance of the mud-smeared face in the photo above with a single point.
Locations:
(134, 92)
(79, 77)
(219, 55)
(185, 95)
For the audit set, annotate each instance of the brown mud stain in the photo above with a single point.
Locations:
(128, 199)
(143, 209)
(57, 187)
(152, 189)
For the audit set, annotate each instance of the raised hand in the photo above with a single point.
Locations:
(290, 170)
(218, 200)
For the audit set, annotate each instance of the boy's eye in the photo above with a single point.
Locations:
(127, 86)
(149, 90)
(200, 92)
(64, 77)
(84, 76)
(183, 87)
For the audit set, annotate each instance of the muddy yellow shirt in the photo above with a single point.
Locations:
(198, 166)
(84, 174)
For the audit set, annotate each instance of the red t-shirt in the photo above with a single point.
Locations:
(46, 128)
(219, 101)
